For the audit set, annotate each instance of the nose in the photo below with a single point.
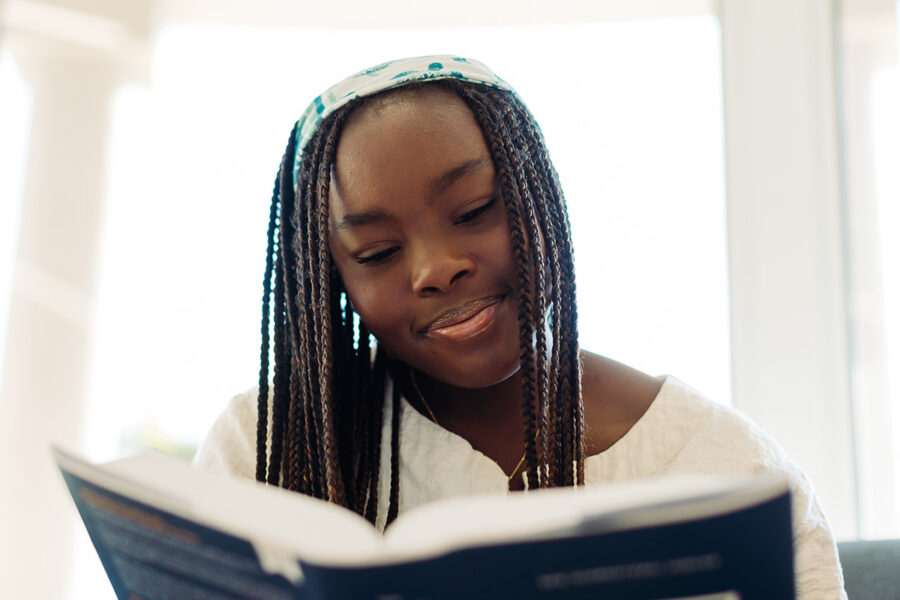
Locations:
(438, 267)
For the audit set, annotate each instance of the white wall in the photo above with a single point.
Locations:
(790, 360)
(72, 62)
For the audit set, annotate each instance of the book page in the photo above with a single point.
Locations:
(463, 522)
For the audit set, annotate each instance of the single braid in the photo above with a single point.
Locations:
(308, 252)
(263, 398)
(282, 366)
(394, 503)
(550, 196)
(334, 478)
(374, 456)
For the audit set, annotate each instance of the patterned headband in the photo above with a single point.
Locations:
(384, 77)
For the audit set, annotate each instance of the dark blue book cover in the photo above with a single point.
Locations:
(151, 554)
(729, 544)
(742, 555)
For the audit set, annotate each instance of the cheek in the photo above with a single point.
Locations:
(382, 313)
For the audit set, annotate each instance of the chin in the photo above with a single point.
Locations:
(477, 377)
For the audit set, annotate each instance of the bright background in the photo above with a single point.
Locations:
(223, 163)
(728, 230)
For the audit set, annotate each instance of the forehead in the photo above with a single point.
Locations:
(399, 144)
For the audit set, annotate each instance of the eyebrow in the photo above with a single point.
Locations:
(442, 182)
(437, 185)
(370, 217)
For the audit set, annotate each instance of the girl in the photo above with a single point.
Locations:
(420, 291)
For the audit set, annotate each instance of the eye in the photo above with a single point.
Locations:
(475, 213)
(378, 257)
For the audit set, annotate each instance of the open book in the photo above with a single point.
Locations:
(165, 530)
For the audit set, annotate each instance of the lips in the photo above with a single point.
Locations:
(464, 321)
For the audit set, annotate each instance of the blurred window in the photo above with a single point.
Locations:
(632, 114)
(15, 120)
(870, 101)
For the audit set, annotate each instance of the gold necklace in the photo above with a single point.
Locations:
(412, 376)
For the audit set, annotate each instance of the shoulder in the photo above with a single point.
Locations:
(654, 425)
(692, 434)
(715, 436)
(615, 398)
(230, 445)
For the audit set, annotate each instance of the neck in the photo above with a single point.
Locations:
(467, 411)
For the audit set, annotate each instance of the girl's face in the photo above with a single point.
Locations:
(420, 237)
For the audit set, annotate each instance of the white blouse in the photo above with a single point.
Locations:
(681, 432)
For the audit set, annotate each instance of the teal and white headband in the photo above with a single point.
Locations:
(384, 77)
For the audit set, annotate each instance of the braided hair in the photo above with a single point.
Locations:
(320, 430)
